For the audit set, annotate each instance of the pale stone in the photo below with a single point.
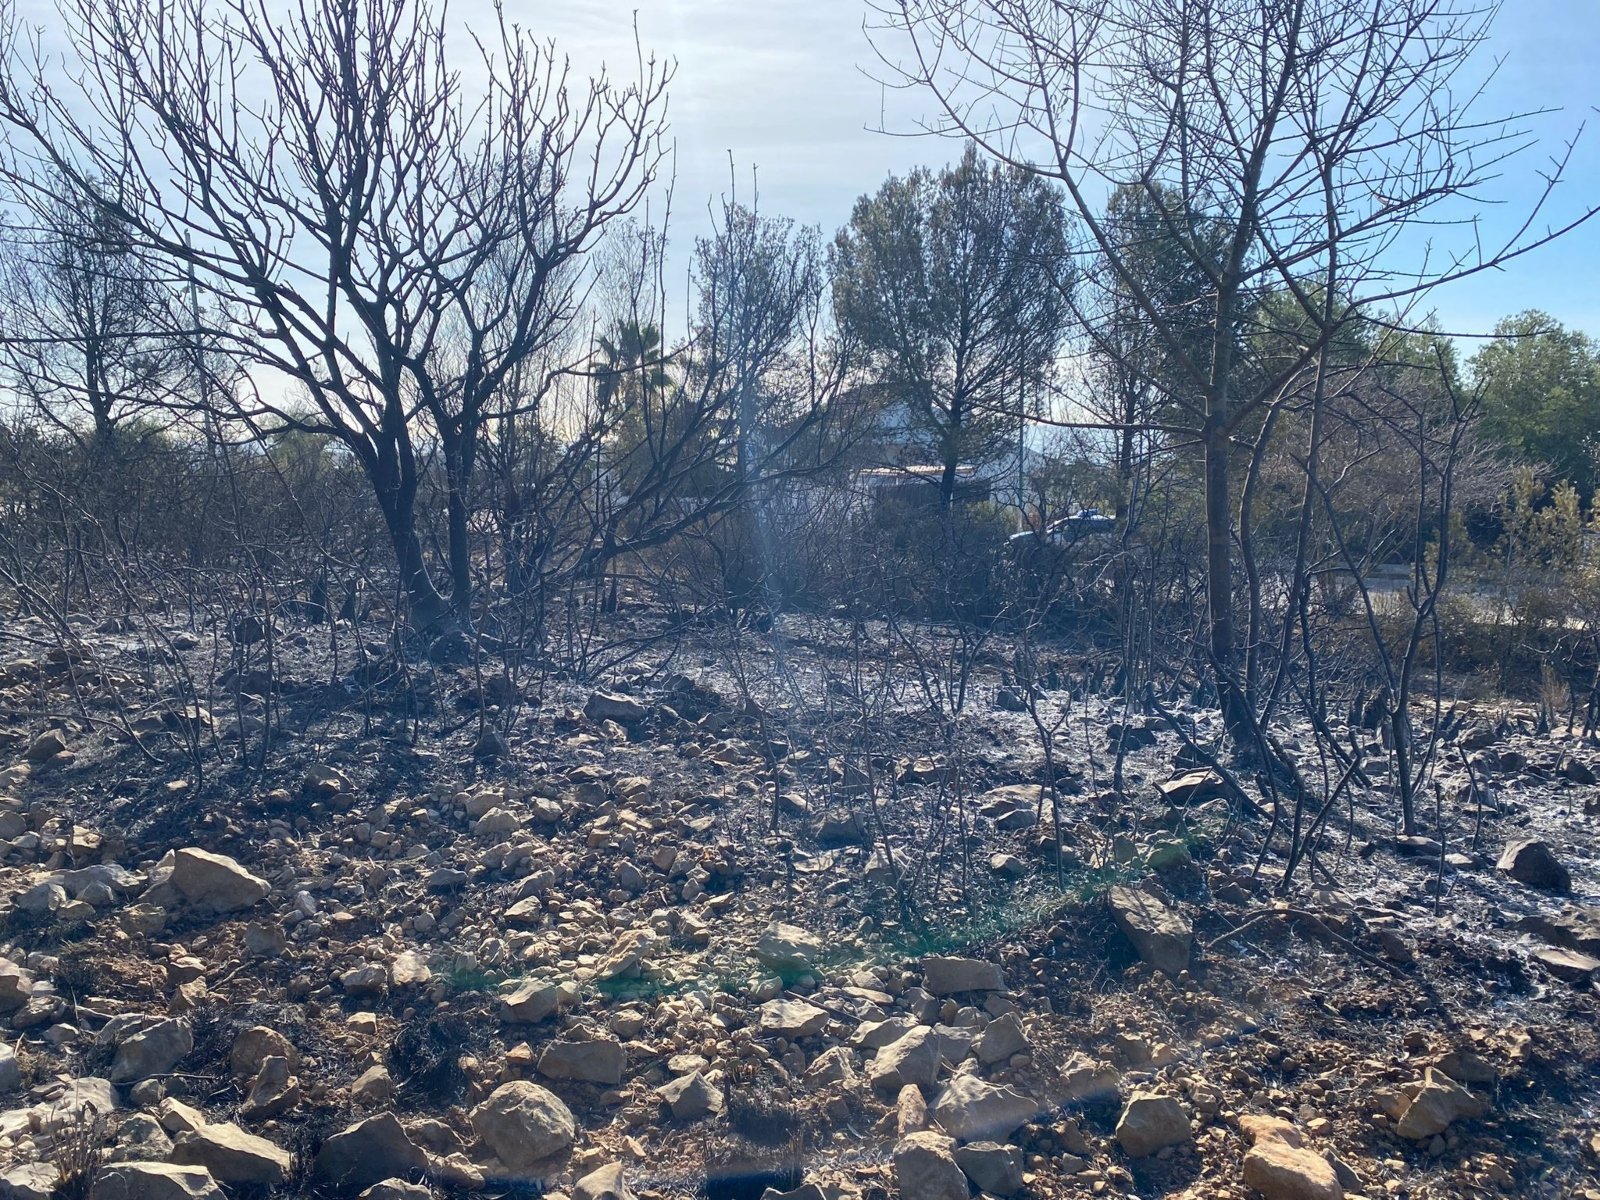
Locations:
(788, 949)
(1162, 937)
(597, 1060)
(523, 1123)
(232, 1155)
(971, 1109)
(792, 1018)
(368, 1152)
(1151, 1122)
(154, 1050)
(154, 1181)
(948, 976)
(603, 1183)
(925, 1168)
(992, 1167)
(1439, 1102)
(212, 882)
(912, 1058)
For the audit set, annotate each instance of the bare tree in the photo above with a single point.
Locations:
(760, 283)
(1322, 131)
(1424, 420)
(85, 332)
(390, 246)
(741, 406)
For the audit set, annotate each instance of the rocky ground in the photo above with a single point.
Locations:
(655, 939)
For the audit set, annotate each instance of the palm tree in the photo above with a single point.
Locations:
(637, 402)
(632, 365)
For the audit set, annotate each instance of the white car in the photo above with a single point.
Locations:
(1067, 532)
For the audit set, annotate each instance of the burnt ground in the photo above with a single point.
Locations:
(799, 776)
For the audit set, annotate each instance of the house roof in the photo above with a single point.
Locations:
(922, 471)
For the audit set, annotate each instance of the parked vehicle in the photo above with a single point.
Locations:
(1087, 528)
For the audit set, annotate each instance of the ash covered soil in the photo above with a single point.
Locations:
(701, 929)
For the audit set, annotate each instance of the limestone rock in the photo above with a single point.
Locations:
(232, 1155)
(949, 976)
(16, 986)
(925, 1168)
(409, 969)
(1003, 1038)
(369, 979)
(1280, 1167)
(788, 949)
(1465, 1065)
(875, 1035)
(594, 1060)
(262, 939)
(834, 1065)
(275, 1090)
(971, 1109)
(1416, 845)
(1083, 1079)
(1439, 1102)
(46, 746)
(603, 1183)
(491, 743)
(1151, 1122)
(177, 1117)
(78, 1099)
(910, 1110)
(627, 956)
(1533, 863)
(323, 779)
(42, 898)
(154, 1049)
(1007, 865)
(396, 1189)
(841, 829)
(1578, 772)
(1162, 937)
(993, 1168)
(367, 1152)
(955, 1042)
(691, 1097)
(612, 706)
(531, 1002)
(1010, 699)
(253, 1046)
(526, 913)
(140, 1138)
(373, 1087)
(29, 1181)
(1283, 1172)
(523, 1123)
(208, 882)
(1013, 807)
(912, 1058)
(154, 1181)
(1192, 787)
(1576, 927)
(1573, 966)
(792, 1018)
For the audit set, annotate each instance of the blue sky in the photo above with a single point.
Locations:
(781, 86)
